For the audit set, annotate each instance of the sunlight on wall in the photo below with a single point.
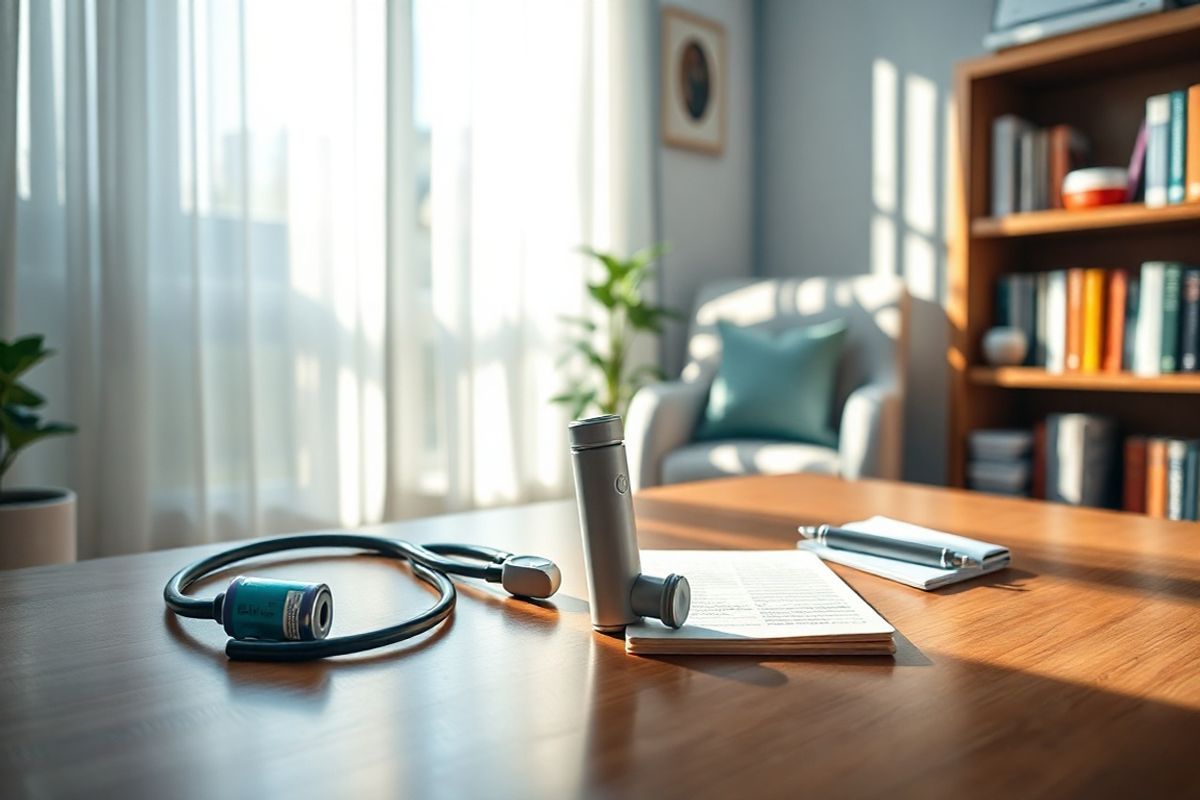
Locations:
(884, 85)
(907, 237)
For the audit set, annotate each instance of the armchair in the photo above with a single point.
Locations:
(869, 402)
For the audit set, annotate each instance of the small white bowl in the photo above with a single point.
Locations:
(1005, 347)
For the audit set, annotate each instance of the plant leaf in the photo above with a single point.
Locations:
(21, 395)
(589, 352)
(22, 428)
(18, 356)
(582, 322)
(603, 294)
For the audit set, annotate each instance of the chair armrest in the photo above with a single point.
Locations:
(871, 437)
(661, 418)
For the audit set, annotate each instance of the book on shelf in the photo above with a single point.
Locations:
(1132, 297)
(1158, 125)
(1147, 347)
(1191, 477)
(1029, 163)
(1095, 320)
(1162, 477)
(1055, 315)
(1114, 322)
(1177, 148)
(1193, 144)
(1189, 322)
(1075, 319)
(1135, 186)
(1133, 495)
(1081, 459)
(1172, 277)
(1177, 450)
(1156, 477)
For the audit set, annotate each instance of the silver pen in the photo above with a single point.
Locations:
(914, 552)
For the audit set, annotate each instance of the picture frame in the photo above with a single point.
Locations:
(693, 78)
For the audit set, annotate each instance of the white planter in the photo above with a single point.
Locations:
(37, 526)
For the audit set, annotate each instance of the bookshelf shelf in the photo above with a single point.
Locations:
(1032, 378)
(1059, 221)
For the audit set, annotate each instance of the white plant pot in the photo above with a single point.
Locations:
(37, 526)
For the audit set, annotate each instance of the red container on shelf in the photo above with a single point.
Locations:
(1095, 186)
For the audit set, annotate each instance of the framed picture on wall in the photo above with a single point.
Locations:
(693, 82)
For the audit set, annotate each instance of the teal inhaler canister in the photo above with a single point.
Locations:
(276, 611)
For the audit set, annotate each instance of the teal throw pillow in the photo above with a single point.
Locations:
(775, 386)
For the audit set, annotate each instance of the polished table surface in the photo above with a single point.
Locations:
(1074, 673)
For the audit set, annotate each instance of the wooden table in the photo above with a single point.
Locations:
(1074, 673)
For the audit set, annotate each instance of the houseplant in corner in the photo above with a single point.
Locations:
(609, 380)
(37, 526)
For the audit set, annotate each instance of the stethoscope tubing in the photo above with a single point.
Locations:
(430, 563)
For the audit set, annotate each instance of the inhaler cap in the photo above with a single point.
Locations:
(596, 432)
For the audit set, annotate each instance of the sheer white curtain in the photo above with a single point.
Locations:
(303, 260)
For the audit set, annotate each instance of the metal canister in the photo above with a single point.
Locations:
(271, 610)
(610, 547)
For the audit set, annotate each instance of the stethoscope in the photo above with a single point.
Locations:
(272, 620)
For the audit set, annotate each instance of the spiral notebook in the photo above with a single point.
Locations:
(761, 602)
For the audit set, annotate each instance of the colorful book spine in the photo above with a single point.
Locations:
(1147, 356)
(1135, 188)
(1074, 319)
(1177, 451)
(1156, 477)
(1022, 310)
(1093, 319)
(1191, 482)
(1193, 144)
(1056, 321)
(1114, 319)
(1041, 289)
(1189, 322)
(1027, 195)
(1006, 132)
(1131, 310)
(1177, 148)
(1134, 494)
(1158, 119)
(1172, 280)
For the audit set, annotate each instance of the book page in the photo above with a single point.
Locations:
(760, 594)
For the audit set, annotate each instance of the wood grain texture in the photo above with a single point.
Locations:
(1037, 378)
(1053, 221)
(1071, 674)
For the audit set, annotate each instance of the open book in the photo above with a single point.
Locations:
(761, 602)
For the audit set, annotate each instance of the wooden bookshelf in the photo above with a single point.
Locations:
(1098, 81)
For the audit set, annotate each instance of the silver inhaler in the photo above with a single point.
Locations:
(619, 593)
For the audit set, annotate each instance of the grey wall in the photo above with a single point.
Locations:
(706, 202)
(851, 149)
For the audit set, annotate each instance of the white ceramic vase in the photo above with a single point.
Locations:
(1005, 347)
(37, 526)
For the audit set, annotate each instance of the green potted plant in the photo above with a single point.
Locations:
(37, 526)
(607, 380)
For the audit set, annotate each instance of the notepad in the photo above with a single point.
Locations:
(992, 556)
(761, 602)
